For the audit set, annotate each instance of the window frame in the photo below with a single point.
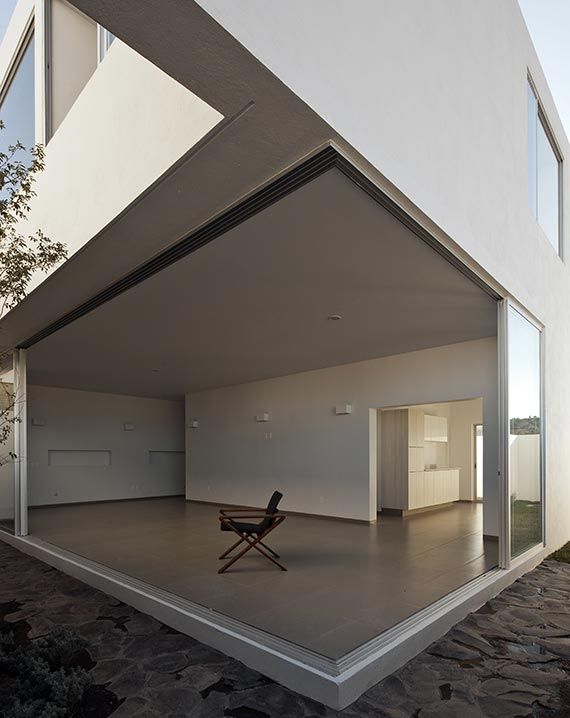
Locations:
(23, 45)
(542, 118)
(105, 39)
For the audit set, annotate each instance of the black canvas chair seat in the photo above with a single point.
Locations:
(243, 527)
(252, 533)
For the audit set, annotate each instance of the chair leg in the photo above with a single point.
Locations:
(253, 543)
(231, 548)
(261, 551)
(236, 557)
(271, 551)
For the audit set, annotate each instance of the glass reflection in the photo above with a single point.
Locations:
(524, 433)
(7, 467)
(17, 108)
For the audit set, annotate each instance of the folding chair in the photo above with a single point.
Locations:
(252, 534)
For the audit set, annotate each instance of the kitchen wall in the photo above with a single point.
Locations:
(79, 450)
(320, 461)
(463, 415)
(457, 452)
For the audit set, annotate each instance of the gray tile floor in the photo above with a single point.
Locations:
(346, 582)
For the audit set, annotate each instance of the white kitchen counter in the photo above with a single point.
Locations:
(432, 487)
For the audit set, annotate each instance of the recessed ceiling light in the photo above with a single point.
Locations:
(334, 317)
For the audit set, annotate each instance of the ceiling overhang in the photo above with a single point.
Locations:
(248, 296)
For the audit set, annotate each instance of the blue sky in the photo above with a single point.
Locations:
(548, 22)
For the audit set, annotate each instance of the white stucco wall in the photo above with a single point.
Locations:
(524, 457)
(128, 126)
(434, 95)
(73, 57)
(78, 421)
(321, 461)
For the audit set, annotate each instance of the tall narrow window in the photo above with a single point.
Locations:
(6, 10)
(525, 428)
(106, 39)
(543, 173)
(17, 103)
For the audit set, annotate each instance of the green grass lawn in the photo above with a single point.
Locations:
(563, 554)
(526, 525)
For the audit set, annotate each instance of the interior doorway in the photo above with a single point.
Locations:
(478, 461)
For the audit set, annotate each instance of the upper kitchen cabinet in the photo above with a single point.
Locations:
(435, 428)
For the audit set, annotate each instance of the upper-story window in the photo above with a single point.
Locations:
(544, 173)
(6, 10)
(105, 41)
(17, 103)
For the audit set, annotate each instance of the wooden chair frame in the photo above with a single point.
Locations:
(227, 517)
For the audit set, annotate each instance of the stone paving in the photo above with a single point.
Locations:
(510, 659)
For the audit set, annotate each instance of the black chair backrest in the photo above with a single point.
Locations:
(271, 509)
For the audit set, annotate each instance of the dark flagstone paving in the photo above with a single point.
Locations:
(510, 659)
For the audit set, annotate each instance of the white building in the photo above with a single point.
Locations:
(313, 247)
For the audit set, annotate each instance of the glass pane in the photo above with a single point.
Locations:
(524, 433)
(7, 467)
(17, 109)
(106, 39)
(547, 186)
(6, 10)
(532, 122)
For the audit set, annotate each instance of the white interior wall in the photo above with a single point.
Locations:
(73, 422)
(463, 415)
(73, 57)
(321, 461)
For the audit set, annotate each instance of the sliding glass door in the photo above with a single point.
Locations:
(525, 426)
(7, 465)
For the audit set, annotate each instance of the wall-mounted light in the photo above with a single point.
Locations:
(343, 409)
(262, 417)
(128, 427)
(334, 317)
(194, 424)
(37, 422)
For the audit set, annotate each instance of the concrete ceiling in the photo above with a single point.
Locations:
(254, 303)
(266, 129)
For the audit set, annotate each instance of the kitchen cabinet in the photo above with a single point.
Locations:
(431, 488)
(435, 428)
(405, 484)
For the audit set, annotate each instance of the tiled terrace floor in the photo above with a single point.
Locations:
(510, 659)
(379, 574)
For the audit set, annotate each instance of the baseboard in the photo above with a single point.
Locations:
(285, 511)
(104, 501)
(403, 513)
